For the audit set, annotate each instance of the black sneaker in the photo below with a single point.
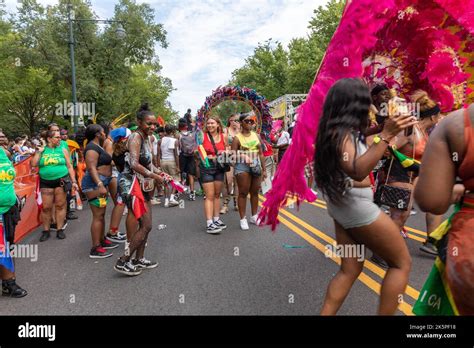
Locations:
(213, 229)
(116, 238)
(220, 224)
(144, 264)
(99, 252)
(60, 234)
(71, 216)
(45, 236)
(53, 226)
(379, 261)
(107, 244)
(127, 268)
(11, 289)
(429, 247)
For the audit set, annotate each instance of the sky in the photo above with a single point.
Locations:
(208, 39)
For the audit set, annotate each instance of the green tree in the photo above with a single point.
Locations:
(144, 85)
(105, 64)
(266, 70)
(228, 108)
(28, 95)
(274, 71)
(325, 22)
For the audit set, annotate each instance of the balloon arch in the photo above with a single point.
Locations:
(247, 95)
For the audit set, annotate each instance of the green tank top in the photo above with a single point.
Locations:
(7, 178)
(52, 164)
(250, 143)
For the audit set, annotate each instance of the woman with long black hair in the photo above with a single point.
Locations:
(138, 166)
(342, 166)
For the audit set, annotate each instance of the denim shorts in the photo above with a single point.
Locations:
(211, 174)
(89, 185)
(241, 168)
(244, 167)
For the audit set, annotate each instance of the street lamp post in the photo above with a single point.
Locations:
(120, 31)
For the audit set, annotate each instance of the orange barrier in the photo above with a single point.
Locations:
(25, 186)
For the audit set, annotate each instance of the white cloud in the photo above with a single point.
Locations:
(208, 39)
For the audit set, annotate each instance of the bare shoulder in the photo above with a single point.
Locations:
(451, 130)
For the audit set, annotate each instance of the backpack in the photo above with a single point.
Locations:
(187, 144)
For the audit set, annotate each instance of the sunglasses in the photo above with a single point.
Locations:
(249, 121)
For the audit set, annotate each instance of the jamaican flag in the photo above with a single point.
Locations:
(408, 163)
(435, 296)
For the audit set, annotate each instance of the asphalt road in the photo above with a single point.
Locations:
(253, 272)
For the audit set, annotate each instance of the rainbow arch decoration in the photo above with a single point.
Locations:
(256, 101)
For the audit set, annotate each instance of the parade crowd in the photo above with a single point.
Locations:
(374, 159)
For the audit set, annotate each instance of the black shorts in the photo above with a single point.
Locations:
(52, 184)
(187, 164)
(10, 220)
(211, 174)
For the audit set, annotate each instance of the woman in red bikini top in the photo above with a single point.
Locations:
(412, 144)
(450, 154)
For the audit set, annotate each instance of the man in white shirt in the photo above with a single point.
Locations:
(169, 161)
(282, 143)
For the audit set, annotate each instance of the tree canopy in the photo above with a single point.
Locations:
(115, 74)
(273, 70)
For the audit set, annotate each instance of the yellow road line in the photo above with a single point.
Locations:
(411, 236)
(411, 229)
(404, 307)
(410, 291)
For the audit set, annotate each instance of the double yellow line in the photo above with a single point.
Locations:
(372, 284)
(321, 204)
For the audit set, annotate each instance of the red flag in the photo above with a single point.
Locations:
(138, 201)
(39, 199)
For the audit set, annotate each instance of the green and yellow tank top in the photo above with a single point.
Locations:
(250, 143)
(52, 164)
(7, 179)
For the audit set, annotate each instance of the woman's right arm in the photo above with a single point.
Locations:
(36, 158)
(359, 168)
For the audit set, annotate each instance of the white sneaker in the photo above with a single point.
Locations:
(254, 220)
(173, 202)
(155, 201)
(167, 203)
(244, 225)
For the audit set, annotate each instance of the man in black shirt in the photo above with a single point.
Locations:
(188, 118)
